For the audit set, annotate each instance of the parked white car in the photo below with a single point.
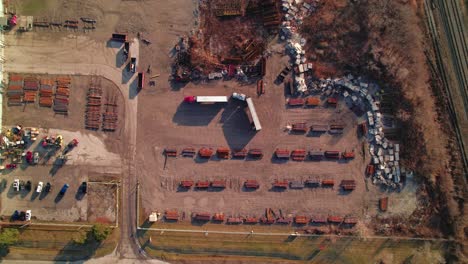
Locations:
(39, 187)
(36, 157)
(28, 215)
(16, 185)
(239, 96)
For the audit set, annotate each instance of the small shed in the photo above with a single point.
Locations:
(153, 217)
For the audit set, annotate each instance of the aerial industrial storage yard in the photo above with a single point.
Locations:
(244, 130)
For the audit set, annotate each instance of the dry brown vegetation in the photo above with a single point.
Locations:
(384, 40)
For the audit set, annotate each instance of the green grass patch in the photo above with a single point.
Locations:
(52, 244)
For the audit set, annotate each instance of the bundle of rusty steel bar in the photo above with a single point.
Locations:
(93, 108)
(30, 87)
(46, 92)
(15, 90)
(110, 116)
(62, 94)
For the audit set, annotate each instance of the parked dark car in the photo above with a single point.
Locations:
(64, 189)
(28, 186)
(22, 216)
(48, 187)
(84, 187)
(15, 216)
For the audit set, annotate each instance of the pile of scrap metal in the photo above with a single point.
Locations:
(357, 93)
(294, 13)
(233, 8)
(268, 11)
(182, 68)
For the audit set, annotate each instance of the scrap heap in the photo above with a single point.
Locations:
(362, 94)
(357, 92)
(236, 28)
(295, 11)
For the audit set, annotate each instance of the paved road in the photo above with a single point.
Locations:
(39, 62)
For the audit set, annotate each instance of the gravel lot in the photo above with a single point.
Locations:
(172, 123)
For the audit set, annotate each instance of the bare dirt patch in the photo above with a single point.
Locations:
(102, 199)
(177, 124)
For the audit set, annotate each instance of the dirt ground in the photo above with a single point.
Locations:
(74, 205)
(32, 115)
(160, 107)
(179, 125)
(47, 206)
(388, 41)
(162, 120)
(97, 153)
(102, 201)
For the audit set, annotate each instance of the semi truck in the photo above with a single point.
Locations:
(133, 62)
(133, 54)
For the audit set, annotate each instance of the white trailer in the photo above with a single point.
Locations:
(253, 114)
(206, 99)
(211, 99)
(134, 52)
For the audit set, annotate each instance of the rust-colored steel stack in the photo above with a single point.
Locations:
(62, 94)
(15, 90)
(110, 116)
(93, 108)
(46, 91)
(30, 87)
